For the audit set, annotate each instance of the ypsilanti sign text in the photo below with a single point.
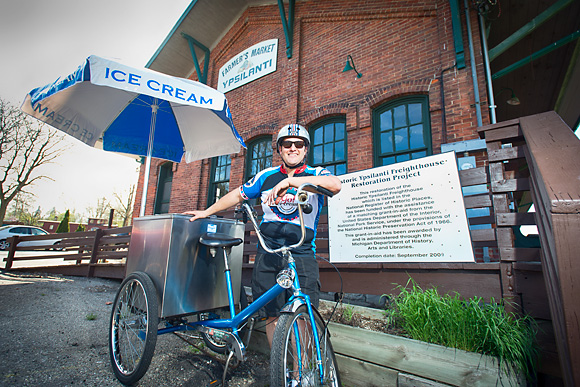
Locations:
(249, 65)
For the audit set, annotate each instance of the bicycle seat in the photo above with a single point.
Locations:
(219, 240)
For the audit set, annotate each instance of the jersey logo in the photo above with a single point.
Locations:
(286, 208)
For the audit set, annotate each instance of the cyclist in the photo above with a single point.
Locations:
(275, 186)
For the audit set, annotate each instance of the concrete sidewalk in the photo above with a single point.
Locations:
(49, 338)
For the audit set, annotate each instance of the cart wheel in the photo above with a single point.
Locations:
(219, 345)
(133, 329)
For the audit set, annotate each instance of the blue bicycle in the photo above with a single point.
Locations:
(301, 353)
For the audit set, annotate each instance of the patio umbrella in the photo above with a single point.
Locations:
(137, 111)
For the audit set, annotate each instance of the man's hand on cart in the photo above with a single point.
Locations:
(231, 199)
(196, 214)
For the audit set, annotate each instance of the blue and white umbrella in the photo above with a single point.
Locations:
(137, 111)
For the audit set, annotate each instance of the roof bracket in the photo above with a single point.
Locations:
(201, 76)
(288, 24)
(530, 58)
(528, 28)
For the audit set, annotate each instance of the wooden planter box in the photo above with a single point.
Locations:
(368, 358)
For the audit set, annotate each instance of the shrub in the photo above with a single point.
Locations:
(471, 325)
(64, 226)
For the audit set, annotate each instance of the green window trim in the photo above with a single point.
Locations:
(219, 178)
(163, 195)
(328, 145)
(402, 130)
(258, 157)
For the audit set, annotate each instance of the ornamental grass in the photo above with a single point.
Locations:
(471, 325)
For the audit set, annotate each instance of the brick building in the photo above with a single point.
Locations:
(406, 53)
(427, 80)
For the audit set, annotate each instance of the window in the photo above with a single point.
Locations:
(164, 189)
(259, 156)
(402, 131)
(219, 179)
(328, 148)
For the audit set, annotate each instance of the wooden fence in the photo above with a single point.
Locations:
(99, 253)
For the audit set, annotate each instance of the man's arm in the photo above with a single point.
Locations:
(231, 199)
(330, 182)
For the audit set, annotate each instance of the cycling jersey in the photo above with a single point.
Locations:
(280, 222)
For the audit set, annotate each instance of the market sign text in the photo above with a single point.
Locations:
(249, 65)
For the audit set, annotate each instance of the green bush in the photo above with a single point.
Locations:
(471, 325)
(64, 226)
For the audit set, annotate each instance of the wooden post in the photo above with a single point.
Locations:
(10, 258)
(111, 214)
(94, 252)
(505, 237)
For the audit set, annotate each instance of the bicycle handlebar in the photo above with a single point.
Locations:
(303, 207)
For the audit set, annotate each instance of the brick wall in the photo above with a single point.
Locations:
(400, 47)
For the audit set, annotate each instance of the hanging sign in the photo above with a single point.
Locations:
(406, 212)
(249, 65)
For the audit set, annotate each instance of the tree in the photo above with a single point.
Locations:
(24, 147)
(64, 225)
(102, 209)
(124, 209)
(20, 210)
(80, 228)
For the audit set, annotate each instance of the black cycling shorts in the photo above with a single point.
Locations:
(267, 266)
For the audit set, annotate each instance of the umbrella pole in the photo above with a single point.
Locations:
(154, 108)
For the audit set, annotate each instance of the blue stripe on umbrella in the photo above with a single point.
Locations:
(126, 133)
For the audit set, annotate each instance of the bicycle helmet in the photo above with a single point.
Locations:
(293, 130)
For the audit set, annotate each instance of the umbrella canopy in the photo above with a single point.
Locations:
(137, 111)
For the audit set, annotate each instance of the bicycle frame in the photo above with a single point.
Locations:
(298, 298)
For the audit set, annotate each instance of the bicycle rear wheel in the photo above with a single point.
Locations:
(293, 356)
(133, 329)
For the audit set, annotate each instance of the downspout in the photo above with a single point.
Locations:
(443, 118)
(487, 70)
(473, 69)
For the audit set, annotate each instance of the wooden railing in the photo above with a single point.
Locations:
(99, 253)
(541, 165)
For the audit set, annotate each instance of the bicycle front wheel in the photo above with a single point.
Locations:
(293, 359)
(133, 329)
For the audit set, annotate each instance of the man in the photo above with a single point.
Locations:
(276, 186)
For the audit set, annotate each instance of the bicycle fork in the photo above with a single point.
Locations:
(319, 360)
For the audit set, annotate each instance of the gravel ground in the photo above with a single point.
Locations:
(48, 337)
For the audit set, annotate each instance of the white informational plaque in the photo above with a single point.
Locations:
(406, 212)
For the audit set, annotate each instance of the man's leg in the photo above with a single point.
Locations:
(270, 328)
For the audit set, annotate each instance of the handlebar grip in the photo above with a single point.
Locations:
(324, 191)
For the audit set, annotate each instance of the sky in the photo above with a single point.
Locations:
(43, 40)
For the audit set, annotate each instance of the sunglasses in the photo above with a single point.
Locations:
(288, 144)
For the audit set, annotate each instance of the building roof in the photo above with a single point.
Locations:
(546, 82)
(206, 21)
